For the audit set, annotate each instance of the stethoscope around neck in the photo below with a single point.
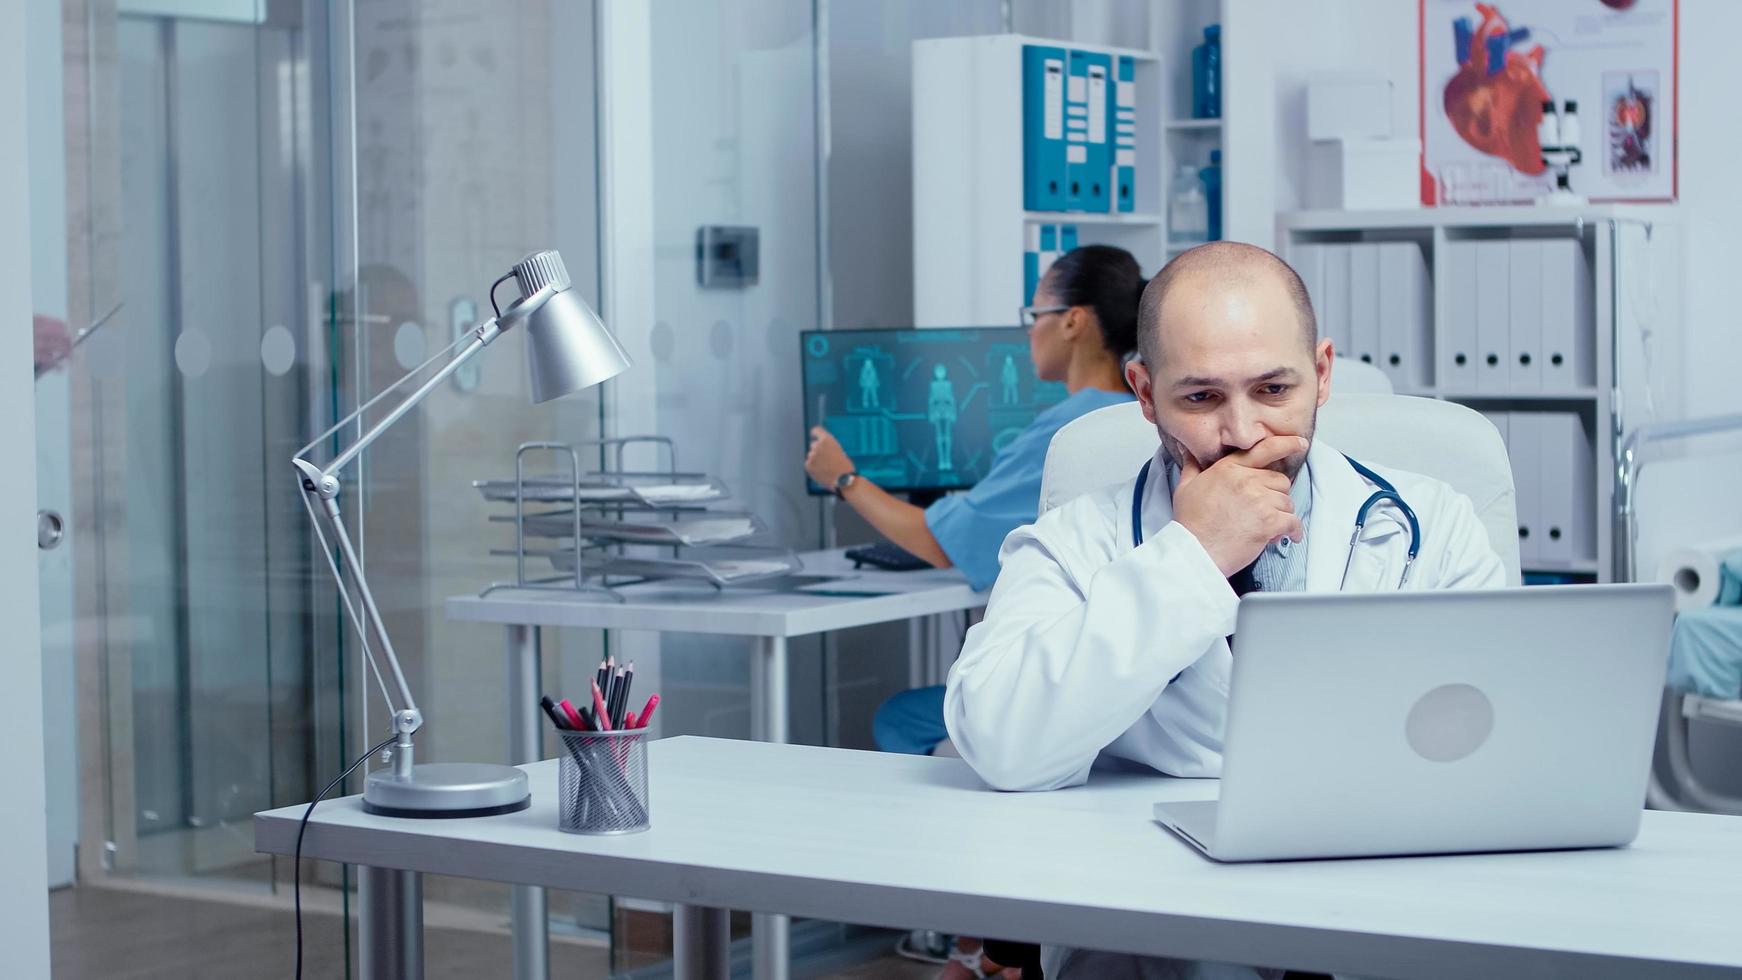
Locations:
(1385, 493)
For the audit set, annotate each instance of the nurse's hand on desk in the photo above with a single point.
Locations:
(1236, 507)
(826, 460)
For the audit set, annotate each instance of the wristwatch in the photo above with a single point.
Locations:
(844, 481)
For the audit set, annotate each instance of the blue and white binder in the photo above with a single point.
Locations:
(1043, 128)
(1042, 245)
(1030, 262)
(1091, 178)
(1077, 130)
(1049, 251)
(1125, 136)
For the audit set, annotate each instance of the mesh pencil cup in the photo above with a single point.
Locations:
(602, 782)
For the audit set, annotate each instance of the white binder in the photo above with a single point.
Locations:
(1568, 487)
(1524, 446)
(1334, 319)
(1455, 365)
(1404, 301)
(1364, 303)
(1524, 291)
(1493, 317)
(1568, 331)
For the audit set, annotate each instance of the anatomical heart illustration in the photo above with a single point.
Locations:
(1495, 100)
(1608, 67)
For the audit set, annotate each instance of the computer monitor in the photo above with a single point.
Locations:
(924, 408)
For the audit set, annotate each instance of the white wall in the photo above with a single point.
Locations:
(707, 118)
(870, 146)
(1710, 144)
(23, 864)
(1368, 36)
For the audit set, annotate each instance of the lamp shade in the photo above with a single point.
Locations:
(567, 346)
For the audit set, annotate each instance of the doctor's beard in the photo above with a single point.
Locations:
(1289, 466)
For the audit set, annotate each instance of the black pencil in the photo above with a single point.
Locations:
(623, 699)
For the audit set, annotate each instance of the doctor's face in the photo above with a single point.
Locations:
(1235, 366)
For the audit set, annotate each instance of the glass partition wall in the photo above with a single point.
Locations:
(280, 207)
(277, 207)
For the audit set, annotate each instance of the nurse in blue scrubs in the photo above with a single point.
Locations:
(1082, 326)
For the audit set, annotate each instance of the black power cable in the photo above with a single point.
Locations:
(303, 826)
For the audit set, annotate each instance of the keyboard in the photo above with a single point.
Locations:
(887, 557)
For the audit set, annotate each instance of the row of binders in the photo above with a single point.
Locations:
(1374, 301)
(1079, 130)
(1518, 317)
(1554, 472)
(1042, 246)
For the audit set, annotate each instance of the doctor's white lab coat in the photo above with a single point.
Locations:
(1092, 645)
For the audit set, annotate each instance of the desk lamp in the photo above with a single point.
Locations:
(567, 349)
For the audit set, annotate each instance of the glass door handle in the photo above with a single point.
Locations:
(50, 529)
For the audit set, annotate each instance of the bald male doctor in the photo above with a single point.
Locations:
(1095, 645)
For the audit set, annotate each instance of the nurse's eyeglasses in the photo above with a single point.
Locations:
(1029, 314)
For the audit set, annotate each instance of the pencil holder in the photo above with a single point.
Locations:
(602, 782)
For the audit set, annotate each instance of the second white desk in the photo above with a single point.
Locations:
(769, 616)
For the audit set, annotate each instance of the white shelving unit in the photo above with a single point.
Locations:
(1188, 141)
(969, 223)
(1600, 404)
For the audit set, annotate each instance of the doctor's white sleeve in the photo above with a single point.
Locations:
(1075, 647)
(1468, 558)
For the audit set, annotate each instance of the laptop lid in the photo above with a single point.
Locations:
(1423, 722)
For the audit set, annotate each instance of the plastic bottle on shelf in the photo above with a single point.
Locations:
(1188, 214)
(1570, 124)
(1207, 75)
(1212, 177)
(1548, 131)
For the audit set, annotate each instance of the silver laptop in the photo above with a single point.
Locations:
(1436, 722)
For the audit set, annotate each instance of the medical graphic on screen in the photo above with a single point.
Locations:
(922, 409)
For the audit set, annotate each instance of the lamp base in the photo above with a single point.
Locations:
(447, 789)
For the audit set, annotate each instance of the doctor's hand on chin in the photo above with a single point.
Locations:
(1236, 506)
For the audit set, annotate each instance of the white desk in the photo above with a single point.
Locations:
(770, 617)
(912, 842)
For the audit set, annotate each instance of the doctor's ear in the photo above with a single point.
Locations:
(1138, 380)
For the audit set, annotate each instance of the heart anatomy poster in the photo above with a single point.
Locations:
(1604, 69)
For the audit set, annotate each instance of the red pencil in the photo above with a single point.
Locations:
(576, 722)
(604, 717)
(647, 712)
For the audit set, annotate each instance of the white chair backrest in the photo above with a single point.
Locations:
(1351, 377)
(1443, 440)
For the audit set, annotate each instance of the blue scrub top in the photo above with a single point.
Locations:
(971, 526)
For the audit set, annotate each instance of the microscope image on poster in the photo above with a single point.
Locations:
(922, 409)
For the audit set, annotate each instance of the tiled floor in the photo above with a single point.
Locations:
(130, 935)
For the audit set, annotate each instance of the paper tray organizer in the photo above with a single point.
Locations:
(586, 523)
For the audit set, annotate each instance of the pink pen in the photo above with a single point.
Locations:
(646, 714)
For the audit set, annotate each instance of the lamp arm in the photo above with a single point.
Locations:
(481, 338)
(320, 487)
